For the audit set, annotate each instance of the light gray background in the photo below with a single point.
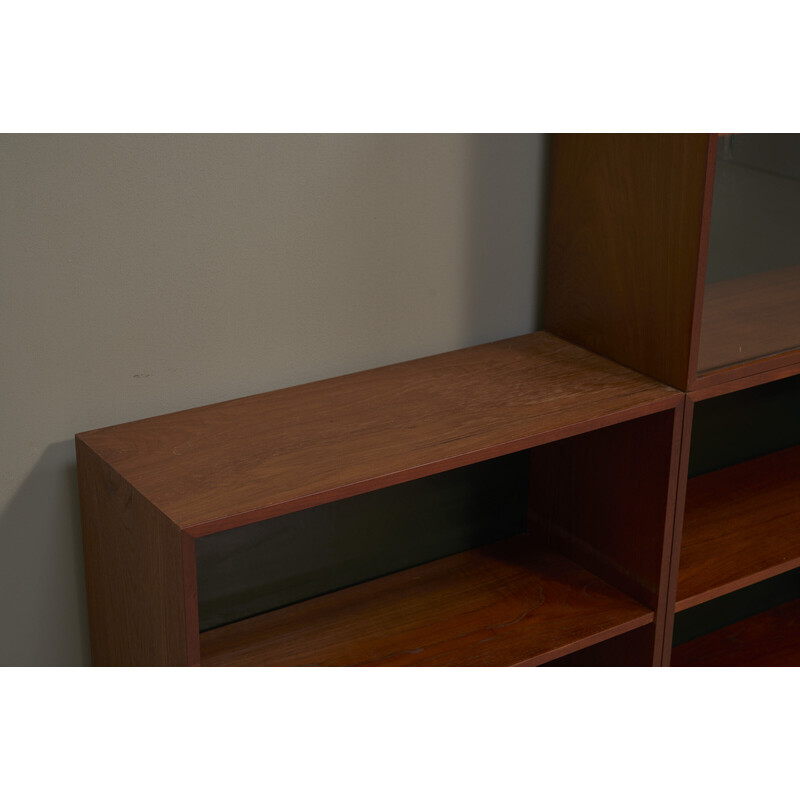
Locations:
(146, 274)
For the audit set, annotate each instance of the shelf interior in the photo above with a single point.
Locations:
(289, 559)
(506, 603)
(740, 526)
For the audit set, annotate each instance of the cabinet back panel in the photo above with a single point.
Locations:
(730, 608)
(736, 427)
(284, 560)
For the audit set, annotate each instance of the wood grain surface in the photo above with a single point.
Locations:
(749, 318)
(769, 639)
(140, 586)
(633, 649)
(508, 603)
(741, 525)
(625, 242)
(745, 376)
(221, 466)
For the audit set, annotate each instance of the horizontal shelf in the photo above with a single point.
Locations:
(769, 639)
(741, 526)
(221, 466)
(746, 319)
(508, 603)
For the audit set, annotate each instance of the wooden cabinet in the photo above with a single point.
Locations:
(679, 255)
(589, 565)
(576, 438)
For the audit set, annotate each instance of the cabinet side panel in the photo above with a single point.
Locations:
(605, 500)
(135, 576)
(624, 241)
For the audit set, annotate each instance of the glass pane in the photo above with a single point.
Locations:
(752, 297)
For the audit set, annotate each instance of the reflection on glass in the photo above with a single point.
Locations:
(752, 297)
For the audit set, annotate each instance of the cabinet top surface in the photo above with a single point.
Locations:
(220, 466)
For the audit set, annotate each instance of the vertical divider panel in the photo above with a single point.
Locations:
(606, 500)
(138, 574)
(677, 532)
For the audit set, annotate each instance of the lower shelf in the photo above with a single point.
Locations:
(504, 604)
(740, 527)
(769, 639)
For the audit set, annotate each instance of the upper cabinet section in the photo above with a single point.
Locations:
(677, 254)
(751, 306)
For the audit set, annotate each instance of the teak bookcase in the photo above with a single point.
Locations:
(598, 407)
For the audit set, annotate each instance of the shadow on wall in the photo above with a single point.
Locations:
(44, 569)
(510, 185)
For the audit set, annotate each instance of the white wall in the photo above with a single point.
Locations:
(146, 274)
